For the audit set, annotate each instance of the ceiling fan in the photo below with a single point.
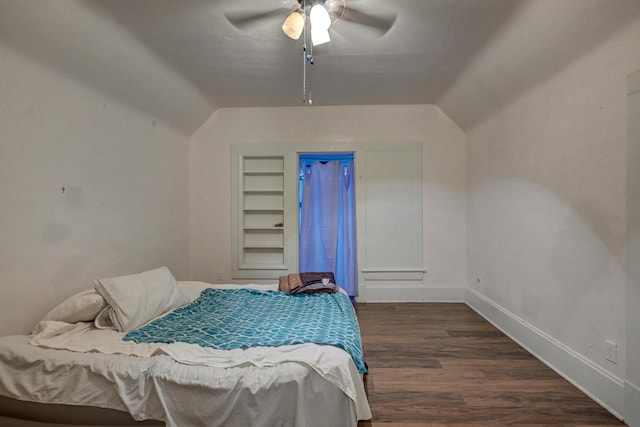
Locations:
(315, 15)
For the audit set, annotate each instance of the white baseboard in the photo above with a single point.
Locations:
(399, 292)
(631, 404)
(609, 391)
(606, 389)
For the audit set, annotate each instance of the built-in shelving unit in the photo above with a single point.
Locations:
(262, 223)
(265, 208)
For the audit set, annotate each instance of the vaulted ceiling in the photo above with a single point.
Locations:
(183, 59)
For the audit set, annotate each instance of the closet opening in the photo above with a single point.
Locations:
(326, 217)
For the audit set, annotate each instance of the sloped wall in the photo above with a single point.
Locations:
(632, 381)
(546, 205)
(124, 207)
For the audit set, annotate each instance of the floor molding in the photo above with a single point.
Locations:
(632, 404)
(606, 389)
(601, 386)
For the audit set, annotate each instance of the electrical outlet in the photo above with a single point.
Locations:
(612, 351)
(220, 275)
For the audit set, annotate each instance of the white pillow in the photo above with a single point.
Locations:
(139, 298)
(103, 319)
(81, 307)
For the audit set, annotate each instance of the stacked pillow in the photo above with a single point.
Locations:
(81, 307)
(137, 299)
(122, 303)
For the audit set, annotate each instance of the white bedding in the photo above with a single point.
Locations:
(184, 384)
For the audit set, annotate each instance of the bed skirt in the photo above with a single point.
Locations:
(18, 413)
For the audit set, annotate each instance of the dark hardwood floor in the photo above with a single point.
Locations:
(440, 365)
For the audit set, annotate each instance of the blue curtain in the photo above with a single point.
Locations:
(327, 222)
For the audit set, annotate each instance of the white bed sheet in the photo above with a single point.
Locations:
(184, 384)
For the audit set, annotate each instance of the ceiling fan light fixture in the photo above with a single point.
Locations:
(294, 24)
(320, 23)
(319, 37)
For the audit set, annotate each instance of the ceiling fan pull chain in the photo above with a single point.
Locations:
(304, 74)
(306, 57)
(304, 54)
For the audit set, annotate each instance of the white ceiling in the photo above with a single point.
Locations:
(182, 59)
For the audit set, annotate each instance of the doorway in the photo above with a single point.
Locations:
(326, 217)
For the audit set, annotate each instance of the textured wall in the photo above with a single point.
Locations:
(546, 202)
(125, 204)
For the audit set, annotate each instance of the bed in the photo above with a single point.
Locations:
(81, 372)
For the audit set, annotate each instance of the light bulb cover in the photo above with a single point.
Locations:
(319, 37)
(293, 25)
(320, 23)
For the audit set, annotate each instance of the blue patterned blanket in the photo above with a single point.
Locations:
(240, 318)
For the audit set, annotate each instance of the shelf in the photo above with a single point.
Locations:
(253, 173)
(263, 255)
(263, 182)
(261, 267)
(263, 164)
(263, 228)
(256, 237)
(276, 191)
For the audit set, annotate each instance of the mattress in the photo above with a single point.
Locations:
(183, 384)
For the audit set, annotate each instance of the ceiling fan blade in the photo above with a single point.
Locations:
(245, 19)
(381, 22)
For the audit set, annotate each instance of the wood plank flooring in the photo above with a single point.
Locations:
(443, 365)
